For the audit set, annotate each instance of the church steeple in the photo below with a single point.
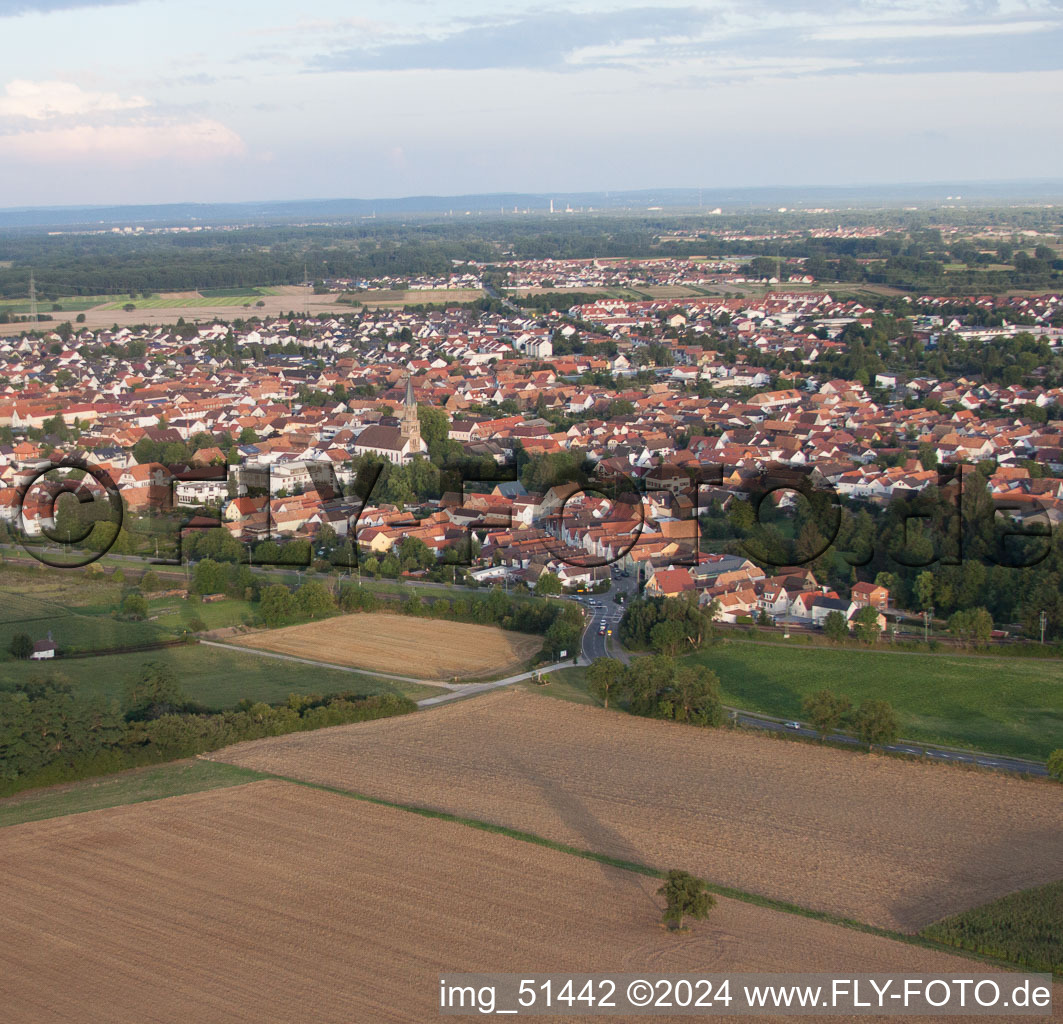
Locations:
(410, 424)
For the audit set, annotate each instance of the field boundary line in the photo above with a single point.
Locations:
(755, 899)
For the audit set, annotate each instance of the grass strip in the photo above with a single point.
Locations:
(138, 785)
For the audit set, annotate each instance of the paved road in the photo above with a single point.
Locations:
(593, 644)
(751, 720)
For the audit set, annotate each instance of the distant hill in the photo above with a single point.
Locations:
(730, 200)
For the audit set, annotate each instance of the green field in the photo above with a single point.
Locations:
(130, 787)
(212, 676)
(175, 613)
(70, 304)
(76, 610)
(1001, 705)
(1025, 928)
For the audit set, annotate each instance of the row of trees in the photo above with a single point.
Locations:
(659, 687)
(873, 721)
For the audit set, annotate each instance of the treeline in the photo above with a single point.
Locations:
(275, 605)
(49, 733)
(912, 256)
(659, 687)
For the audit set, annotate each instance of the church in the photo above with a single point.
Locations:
(400, 444)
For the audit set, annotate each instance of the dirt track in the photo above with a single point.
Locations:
(889, 843)
(277, 903)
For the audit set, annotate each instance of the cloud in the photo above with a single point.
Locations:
(39, 101)
(830, 33)
(541, 41)
(922, 30)
(184, 142)
(14, 8)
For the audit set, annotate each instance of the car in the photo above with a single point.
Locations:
(793, 725)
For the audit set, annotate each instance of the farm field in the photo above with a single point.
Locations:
(129, 787)
(1025, 927)
(898, 845)
(214, 676)
(272, 901)
(208, 298)
(1001, 705)
(403, 644)
(414, 297)
(165, 309)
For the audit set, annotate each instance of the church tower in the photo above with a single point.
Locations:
(409, 424)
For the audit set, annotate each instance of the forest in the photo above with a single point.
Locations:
(914, 253)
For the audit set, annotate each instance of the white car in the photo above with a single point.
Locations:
(793, 725)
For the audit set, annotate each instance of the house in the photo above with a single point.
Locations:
(865, 594)
(43, 649)
(669, 582)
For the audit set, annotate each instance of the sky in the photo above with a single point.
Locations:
(155, 101)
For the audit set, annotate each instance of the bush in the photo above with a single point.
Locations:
(21, 646)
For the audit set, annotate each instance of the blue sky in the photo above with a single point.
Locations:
(160, 101)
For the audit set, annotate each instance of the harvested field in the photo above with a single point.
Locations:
(403, 644)
(275, 902)
(886, 842)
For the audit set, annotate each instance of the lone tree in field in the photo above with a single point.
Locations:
(685, 896)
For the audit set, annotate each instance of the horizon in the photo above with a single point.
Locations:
(675, 199)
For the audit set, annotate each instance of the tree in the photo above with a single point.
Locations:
(835, 626)
(1055, 764)
(928, 457)
(314, 601)
(875, 722)
(866, 625)
(21, 646)
(684, 896)
(974, 625)
(924, 590)
(276, 605)
(154, 692)
(135, 606)
(826, 711)
(606, 676)
(668, 638)
(151, 581)
(548, 583)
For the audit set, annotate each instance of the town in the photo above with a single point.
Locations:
(677, 439)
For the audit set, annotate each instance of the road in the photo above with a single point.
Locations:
(751, 720)
(593, 644)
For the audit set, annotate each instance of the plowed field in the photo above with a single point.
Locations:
(886, 842)
(277, 903)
